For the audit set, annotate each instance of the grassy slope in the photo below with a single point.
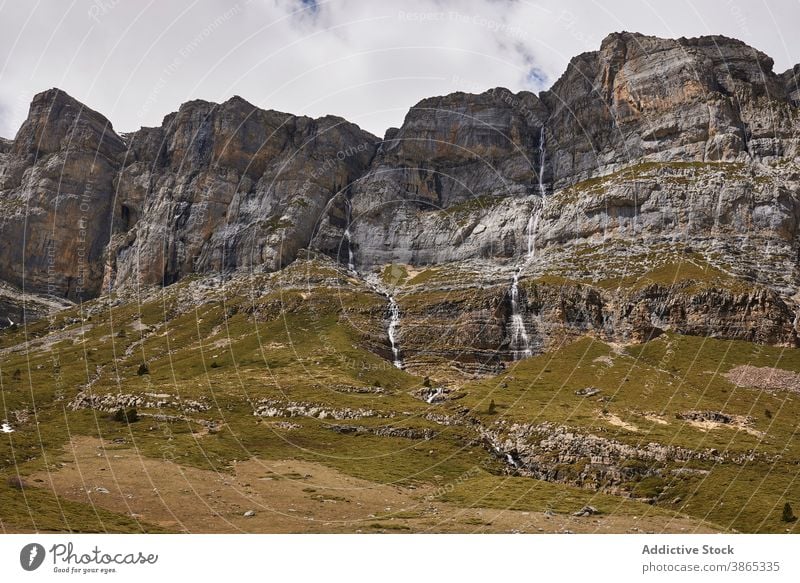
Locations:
(287, 342)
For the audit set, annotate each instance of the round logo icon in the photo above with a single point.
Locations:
(31, 556)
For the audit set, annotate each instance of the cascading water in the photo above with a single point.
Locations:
(533, 226)
(542, 136)
(533, 221)
(520, 344)
(434, 396)
(394, 320)
(351, 264)
(510, 460)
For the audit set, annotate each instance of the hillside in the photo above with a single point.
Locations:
(509, 309)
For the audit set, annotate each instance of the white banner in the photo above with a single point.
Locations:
(399, 558)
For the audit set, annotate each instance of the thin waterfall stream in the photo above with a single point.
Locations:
(520, 342)
(394, 320)
(376, 285)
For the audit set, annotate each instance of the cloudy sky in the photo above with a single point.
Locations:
(366, 60)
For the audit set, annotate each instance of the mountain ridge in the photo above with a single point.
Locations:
(648, 142)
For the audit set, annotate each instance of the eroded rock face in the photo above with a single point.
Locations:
(647, 145)
(561, 454)
(215, 188)
(452, 155)
(706, 99)
(471, 328)
(465, 175)
(56, 188)
(225, 187)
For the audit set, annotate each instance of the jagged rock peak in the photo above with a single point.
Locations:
(57, 120)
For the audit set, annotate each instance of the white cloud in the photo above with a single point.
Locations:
(367, 61)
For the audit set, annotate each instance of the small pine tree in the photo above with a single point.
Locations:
(17, 375)
(143, 369)
(426, 382)
(214, 364)
(788, 514)
(492, 408)
(768, 413)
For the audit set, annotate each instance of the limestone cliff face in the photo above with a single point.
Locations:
(216, 187)
(706, 99)
(451, 157)
(493, 175)
(471, 327)
(642, 151)
(56, 188)
(224, 187)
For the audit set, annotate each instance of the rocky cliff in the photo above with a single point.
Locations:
(645, 153)
(215, 188)
(225, 187)
(57, 183)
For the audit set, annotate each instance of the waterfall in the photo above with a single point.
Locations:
(541, 161)
(394, 320)
(378, 286)
(533, 221)
(520, 344)
(510, 459)
(533, 226)
(434, 395)
(351, 264)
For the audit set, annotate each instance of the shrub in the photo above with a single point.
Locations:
(788, 514)
(16, 482)
(492, 408)
(129, 416)
(214, 364)
(426, 382)
(17, 375)
(768, 413)
(143, 369)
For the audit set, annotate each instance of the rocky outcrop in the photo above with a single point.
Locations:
(557, 453)
(791, 79)
(704, 99)
(273, 408)
(56, 188)
(452, 156)
(113, 402)
(471, 328)
(215, 188)
(390, 431)
(644, 148)
(226, 187)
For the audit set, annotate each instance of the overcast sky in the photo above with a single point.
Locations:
(366, 60)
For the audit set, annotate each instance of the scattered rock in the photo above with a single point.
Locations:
(586, 511)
